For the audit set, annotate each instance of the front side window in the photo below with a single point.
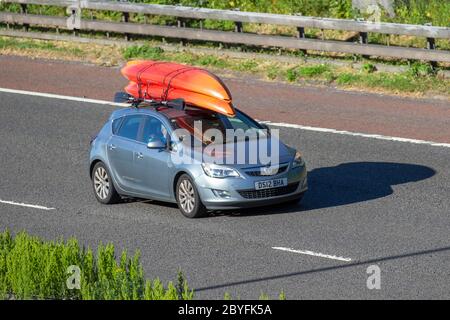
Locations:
(153, 130)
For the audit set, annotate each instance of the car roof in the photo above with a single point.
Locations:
(166, 112)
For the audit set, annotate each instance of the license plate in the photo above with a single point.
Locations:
(267, 184)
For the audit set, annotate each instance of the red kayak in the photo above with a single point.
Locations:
(163, 81)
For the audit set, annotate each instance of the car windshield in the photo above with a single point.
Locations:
(192, 118)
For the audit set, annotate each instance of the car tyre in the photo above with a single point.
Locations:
(188, 199)
(103, 186)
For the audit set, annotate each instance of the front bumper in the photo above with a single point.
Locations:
(297, 185)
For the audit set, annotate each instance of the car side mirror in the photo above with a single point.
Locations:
(157, 144)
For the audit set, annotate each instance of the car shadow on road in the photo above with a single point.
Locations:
(348, 183)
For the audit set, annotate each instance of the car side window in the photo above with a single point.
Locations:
(153, 130)
(130, 127)
(116, 125)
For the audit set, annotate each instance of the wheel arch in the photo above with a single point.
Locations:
(177, 177)
(92, 165)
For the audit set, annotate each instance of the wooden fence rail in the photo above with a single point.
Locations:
(300, 22)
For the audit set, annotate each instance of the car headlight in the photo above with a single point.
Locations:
(216, 171)
(298, 160)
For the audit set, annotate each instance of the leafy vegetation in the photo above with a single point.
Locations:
(31, 268)
(407, 11)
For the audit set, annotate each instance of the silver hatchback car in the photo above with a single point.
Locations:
(136, 154)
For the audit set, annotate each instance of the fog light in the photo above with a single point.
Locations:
(221, 193)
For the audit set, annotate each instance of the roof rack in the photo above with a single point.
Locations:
(123, 97)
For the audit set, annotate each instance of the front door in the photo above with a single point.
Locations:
(153, 165)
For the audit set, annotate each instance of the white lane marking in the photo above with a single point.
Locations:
(26, 205)
(57, 96)
(356, 134)
(276, 124)
(315, 254)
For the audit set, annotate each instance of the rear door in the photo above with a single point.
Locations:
(154, 165)
(121, 149)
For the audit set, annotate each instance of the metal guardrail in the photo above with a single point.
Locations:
(239, 37)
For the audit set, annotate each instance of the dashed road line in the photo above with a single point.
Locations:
(26, 205)
(62, 97)
(315, 254)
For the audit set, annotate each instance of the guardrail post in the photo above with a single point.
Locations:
(431, 45)
(126, 18)
(301, 35)
(181, 23)
(238, 26)
(24, 10)
(74, 20)
(364, 39)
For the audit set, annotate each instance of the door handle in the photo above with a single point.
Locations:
(112, 147)
(139, 155)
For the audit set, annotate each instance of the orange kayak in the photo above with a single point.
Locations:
(167, 81)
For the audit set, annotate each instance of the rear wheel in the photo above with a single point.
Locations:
(188, 199)
(103, 186)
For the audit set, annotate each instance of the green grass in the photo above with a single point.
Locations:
(318, 71)
(36, 45)
(144, 52)
(402, 82)
(420, 78)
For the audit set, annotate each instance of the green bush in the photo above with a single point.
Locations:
(211, 61)
(418, 69)
(369, 68)
(311, 71)
(292, 74)
(314, 70)
(272, 72)
(31, 268)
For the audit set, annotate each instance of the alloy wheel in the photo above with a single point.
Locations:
(101, 183)
(186, 195)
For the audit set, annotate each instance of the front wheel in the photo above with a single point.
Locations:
(103, 186)
(188, 199)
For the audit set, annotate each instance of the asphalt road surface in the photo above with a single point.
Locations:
(371, 202)
(424, 119)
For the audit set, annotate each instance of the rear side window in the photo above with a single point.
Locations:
(116, 125)
(130, 127)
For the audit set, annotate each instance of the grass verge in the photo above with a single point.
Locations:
(418, 79)
(31, 268)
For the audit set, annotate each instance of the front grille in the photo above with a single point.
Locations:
(268, 193)
(257, 172)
